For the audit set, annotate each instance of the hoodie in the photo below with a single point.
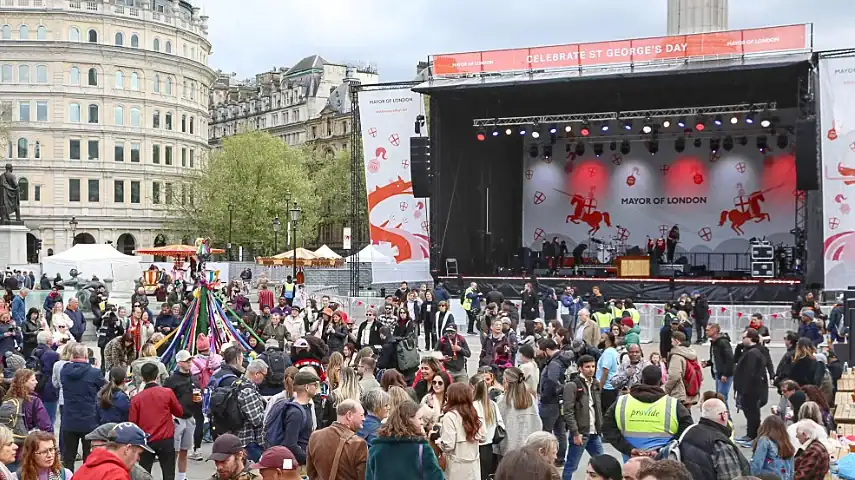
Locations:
(647, 394)
(103, 465)
(676, 371)
(632, 336)
(553, 377)
(80, 384)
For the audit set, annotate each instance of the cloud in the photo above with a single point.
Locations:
(396, 35)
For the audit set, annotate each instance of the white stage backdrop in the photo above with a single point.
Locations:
(837, 129)
(719, 201)
(398, 221)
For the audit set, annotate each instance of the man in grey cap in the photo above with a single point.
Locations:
(99, 438)
(230, 457)
(290, 422)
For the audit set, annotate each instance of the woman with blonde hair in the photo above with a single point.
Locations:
(348, 389)
(489, 413)
(544, 443)
(334, 369)
(40, 459)
(148, 354)
(8, 452)
(519, 412)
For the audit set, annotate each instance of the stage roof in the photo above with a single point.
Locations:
(646, 70)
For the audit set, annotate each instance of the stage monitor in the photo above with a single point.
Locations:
(420, 166)
(807, 173)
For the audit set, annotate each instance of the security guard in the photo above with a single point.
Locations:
(603, 317)
(471, 303)
(288, 290)
(645, 420)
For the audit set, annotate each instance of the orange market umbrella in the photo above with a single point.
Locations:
(180, 251)
(304, 257)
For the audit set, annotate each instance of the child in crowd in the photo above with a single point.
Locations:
(656, 359)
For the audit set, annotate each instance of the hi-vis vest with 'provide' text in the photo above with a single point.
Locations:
(647, 426)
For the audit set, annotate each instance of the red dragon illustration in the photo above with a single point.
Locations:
(394, 234)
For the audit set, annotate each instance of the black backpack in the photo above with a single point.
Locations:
(35, 364)
(276, 371)
(223, 407)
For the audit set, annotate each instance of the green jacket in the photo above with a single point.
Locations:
(398, 458)
(631, 336)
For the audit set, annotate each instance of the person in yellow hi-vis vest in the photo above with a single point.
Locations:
(603, 318)
(645, 420)
(616, 308)
(628, 306)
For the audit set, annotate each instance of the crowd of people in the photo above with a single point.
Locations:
(316, 395)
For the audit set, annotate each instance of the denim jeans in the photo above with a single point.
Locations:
(724, 388)
(553, 421)
(592, 443)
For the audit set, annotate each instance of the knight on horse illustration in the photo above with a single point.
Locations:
(586, 211)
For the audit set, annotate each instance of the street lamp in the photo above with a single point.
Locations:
(276, 227)
(295, 218)
(73, 224)
(229, 246)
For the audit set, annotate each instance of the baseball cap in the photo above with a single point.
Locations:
(224, 447)
(183, 356)
(102, 433)
(128, 433)
(305, 377)
(301, 343)
(451, 327)
(278, 457)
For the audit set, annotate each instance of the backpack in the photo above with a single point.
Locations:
(35, 364)
(12, 417)
(274, 424)
(671, 450)
(693, 377)
(276, 371)
(226, 416)
(408, 354)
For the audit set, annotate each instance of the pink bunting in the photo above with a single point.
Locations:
(774, 315)
(660, 311)
(709, 311)
(723, 309)
(739, 314)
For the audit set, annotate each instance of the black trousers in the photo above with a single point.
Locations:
(608, 397)
(430, 336)
(472, 319)
(553, 421)
(70, 441)
(164, 450)
(701, 327)
(669, 251)
(200, 429)
(488, 461)
(751, 409)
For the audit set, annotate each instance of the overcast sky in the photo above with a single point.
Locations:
(251, 36)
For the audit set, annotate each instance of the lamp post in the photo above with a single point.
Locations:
(229, 246)
(295, 218)
(73, 224)
(287, 223)
(276, 227)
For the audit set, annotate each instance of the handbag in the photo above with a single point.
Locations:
(499, 435)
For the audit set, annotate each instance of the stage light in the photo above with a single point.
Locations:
(734, 120)
(653, 146)
(580, 149)
(646, 129)
(547, 151)
(508, 131)
(585, 131)
(568, 128)
(700, 125)
(743, 140)
(532, 151)
(714, 145)
(728, 143)
(535, 134)
(698, 142)
(553, 130)
(627, 125)
(783, 141)
(666, 123)
(613, 145)
(681, 123)
(598, 149)
(765, 123)
(717, 120)
(495, 132)
(604, 127)
(762, 143)
(749, 119)
(680, 144)
(522, 131)
(625, 147)
(481, 136)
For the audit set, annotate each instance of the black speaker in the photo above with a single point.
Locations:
(420, 166)
(807, 173)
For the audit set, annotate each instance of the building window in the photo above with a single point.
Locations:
(41, 33)
(168, 120)
(185, 91)
(24, 111)
(119, 115)
(93, 77)
(155, 119)
(185, 49)
(23, 148)
(93, 113)
(193, 53)
(135, 81)
(120, 79)
(93, 150)
(314, 132)
(135, 152)
(168, 46)
(23, 73)
(119, 152)
(156, 44)
(168, 86)
(135, 41)
(93, 36)
(183, 123)
(155, 193)
(191, 158)
(168, 192)
(94, 190)
(37, 150)
(155, 154)
(24, 189)
(119, 191)
(7, 75)
(168, 155)
(157, 84)
(74, 113)
(191, 125)
(183, 157)
(24, 33)
(37, 193)
(74, 76)
(7, 32)
(41, 111)
(135, 117)
(135, 192)
(73, 34)
(73, 189)
(74, 149)
(41, 74)
(296, 115)
(120, 39)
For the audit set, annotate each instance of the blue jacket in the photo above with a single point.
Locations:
(80, 384)
(369, 429)
(118, 412)
(79, 322)
(767, 460)
(167, 320)
(19, 310)
(9, 343)
(440, 294)
(811, 331)
(48, 357)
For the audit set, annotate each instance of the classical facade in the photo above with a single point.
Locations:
(105, 107)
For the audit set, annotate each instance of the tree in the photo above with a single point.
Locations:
(252, 173)
(335, 176)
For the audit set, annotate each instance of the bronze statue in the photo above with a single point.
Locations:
(10, 196)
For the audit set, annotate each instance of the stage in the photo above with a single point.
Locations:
(652, 290)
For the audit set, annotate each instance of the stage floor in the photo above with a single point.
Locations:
(645, 289)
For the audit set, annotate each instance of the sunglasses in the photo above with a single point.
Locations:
(438, 382)
(369, 314)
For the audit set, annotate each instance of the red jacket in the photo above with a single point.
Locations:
(265, 297)
(153, 409)
(102, 464)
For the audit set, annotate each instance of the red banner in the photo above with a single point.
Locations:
(735, 42)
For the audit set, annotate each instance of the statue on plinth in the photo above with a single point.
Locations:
(10, 196)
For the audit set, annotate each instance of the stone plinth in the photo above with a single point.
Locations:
(13, 245)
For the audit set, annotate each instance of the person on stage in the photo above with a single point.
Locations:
(673, 240)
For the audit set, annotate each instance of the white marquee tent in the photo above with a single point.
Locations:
(326, 252)
(369, 254)
(95, 259)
